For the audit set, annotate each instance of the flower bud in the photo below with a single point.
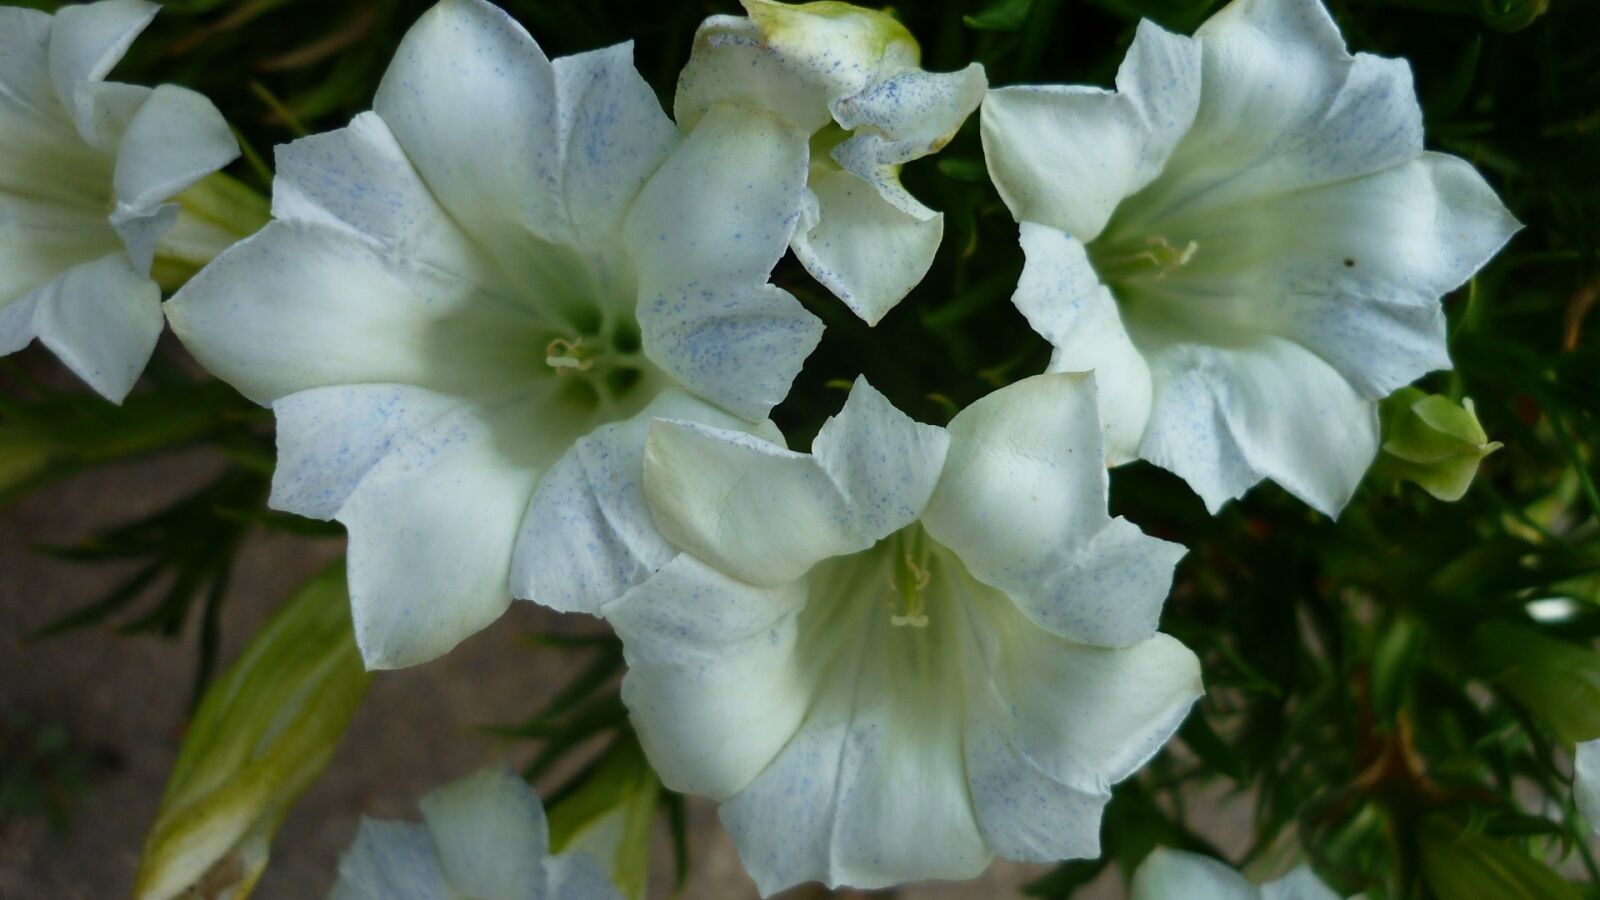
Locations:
(1430, 440)
(262, 733)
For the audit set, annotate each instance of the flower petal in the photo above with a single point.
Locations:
(25, 85)
(176, 138)
(358, 179)
(1023, 502)
(296, 307)
(704, 235)
(1226, 417)
(766, 514)
(390, 861)
(1064, 301)
(730, 63)
(1284, 101)
(588, 535)
(102, 319)
(1023, 812)
(433, 493)
(87, 40)
(465, 78)
(613, 137)
(491, 835)
(1586, 781)
(713, 685)
(867, 251)
(102, 111)
(1067, 156)
(905, 116)
(1090, 716)
(841, 46)
(577, 876)
(872, 789)
(1166, 873)
(1300, 884)
(1353, 271)
(42, 239)
(737, 344)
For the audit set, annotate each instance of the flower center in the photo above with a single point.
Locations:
(909, 579)
(608, 361)
(1153, 259)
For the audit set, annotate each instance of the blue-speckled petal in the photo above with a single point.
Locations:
(490, 833)
(175, 139)
(1066, 722)
(730, 63)
(433, 492)
(1226, 417)
(1299, 884)
(87, 41)
(1586, 781)
(299, 306)
(1064, 301)
(102, 320)
(1023, 503)
(712, 683)
(588, 536)
(869, 252)
(390, 861)
(704, 235)
(358, 180)
(1168, 873)
(766, 514)
(472, 99)
(1066, 156)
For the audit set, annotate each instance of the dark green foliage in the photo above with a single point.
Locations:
(42, 772)
(1376, 686)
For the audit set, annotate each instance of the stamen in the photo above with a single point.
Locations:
(908, 586)
(1165, 257)
(568, 356)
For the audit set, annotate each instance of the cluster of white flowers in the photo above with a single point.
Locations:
(516, 327)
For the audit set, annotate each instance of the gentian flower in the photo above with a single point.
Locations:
(473, 300)
(1246, 242)
(483, 837)
(909, 651)
(849, 78)
(86, 169)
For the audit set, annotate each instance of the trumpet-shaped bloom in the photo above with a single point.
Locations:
(1173, 874)
(911, 650)
(849, 78)
(483, 837)
(1246, 242)
(472, 301)
(86, 169)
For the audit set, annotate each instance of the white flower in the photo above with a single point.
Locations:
(912, 650)
(1586, 782)
(1247, 242)
(483, 837)
(473, 300)
(849, 78)
(86, 168)
(1176, 875)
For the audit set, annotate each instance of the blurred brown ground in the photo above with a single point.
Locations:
(123, 699)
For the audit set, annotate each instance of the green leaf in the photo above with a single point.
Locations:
(1000, 15)
(1557, 681)
(1474, 867)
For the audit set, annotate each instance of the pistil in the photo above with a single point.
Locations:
(1159, 253)
(908, 584)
